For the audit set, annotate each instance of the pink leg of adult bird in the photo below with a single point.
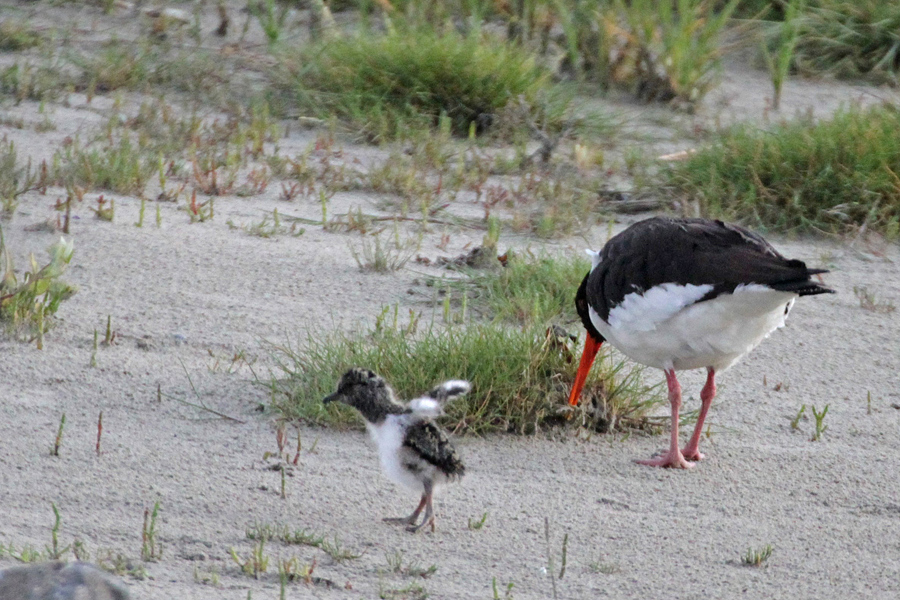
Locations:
(673, 458)
(692, 450)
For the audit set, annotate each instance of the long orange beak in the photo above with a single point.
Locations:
(591, 347)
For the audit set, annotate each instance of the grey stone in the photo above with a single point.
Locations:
(60, 581)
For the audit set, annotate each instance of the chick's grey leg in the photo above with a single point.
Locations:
(411, 518)
(427, 498)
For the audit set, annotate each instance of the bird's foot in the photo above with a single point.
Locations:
(669, 460)
(421, 526)
(692, 454)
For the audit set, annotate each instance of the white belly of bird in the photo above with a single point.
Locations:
(666, 328)
(394, 457)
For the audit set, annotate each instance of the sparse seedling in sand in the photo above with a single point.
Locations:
(94, 349)
(150, 549)
(271, 227)
(820, 426)
(413, 591)
(200, 212)
(54, 552)
(507, 590)
(604, 567)
(412, 569)
(334, 548)
(28, 553)
(795, 422)
(119, 564)
(477, 524)
(57, 442)
(292, 569)
(868, 301)
(384, 256)
(551, 563)
(256, 564)
(99, 431)
(757, 557)
(140, 221)
(210, 577)
(110, 337)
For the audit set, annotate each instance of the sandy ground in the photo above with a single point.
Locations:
(185, 298)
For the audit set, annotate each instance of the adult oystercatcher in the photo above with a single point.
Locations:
(685, 294)
(414, 451)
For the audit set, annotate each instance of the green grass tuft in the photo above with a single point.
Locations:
(533, 291)
(15, 35)
(858, 38)
(384, 84)
(828, 176)
(520, 377)
(119, 166)
(28, 304)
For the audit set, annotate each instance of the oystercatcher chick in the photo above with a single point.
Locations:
(413, 450)
(686, 294)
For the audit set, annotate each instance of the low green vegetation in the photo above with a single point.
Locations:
(778, 50)
(29, 302)
(119, 166)
(808, 176)
(144, 66)
(852, 39)
(386, 84)
(757, 557)
(673, 47)
(521, 375)
(17, 35)
(532, 290)
(26, 80)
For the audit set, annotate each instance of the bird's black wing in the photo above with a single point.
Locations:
(430, 443)
(692, 251)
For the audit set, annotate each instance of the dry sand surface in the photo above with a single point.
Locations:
(185, 298)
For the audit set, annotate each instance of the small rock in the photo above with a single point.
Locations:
(60, 581)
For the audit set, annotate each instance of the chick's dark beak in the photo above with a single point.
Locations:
(335, 397)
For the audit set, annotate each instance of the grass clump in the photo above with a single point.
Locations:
(16, 179)
(27, 306)
(142, 66)
(829, 176)
(532, 291)
(119, 166)
(15, 36)
(26, 81)
(853, 39)
(383, 84)
(757, 557)
(672, 47)
(520, 376)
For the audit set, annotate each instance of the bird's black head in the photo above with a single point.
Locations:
(366, 392)
(581, 306)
